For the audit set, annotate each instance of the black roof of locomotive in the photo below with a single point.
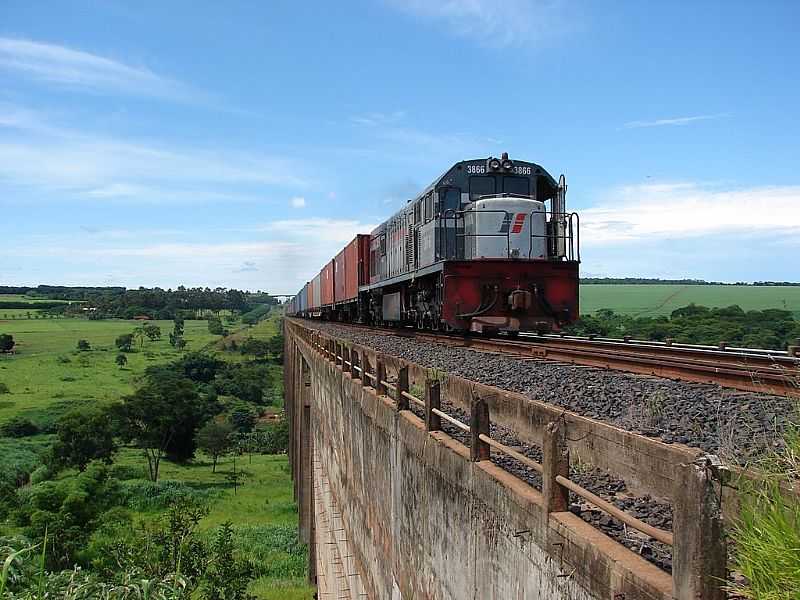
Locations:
(538, 170)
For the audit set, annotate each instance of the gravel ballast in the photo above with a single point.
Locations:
(734, 424)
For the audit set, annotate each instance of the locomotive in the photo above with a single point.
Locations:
(479, 250)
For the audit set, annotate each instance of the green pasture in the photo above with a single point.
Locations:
(23, 298)
(656, 299)
(48, 375)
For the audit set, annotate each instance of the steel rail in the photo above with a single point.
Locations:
(657, 534)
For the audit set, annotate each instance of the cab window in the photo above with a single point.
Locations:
(481, 186)
(449, 200)
(516, 185)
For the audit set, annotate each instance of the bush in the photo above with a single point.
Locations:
(4, 388)
(84, 345)
(142, 495)
(19, 427)
(276, 550)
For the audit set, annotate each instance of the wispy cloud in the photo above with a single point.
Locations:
(378, 118)
(35, 153)
(684, 210)
(326, 230)
(297, 202)
(65, 66)
(511, 23)
(672, 121)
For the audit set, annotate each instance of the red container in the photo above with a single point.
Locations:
(340, 271)
(327, 278)
(363, 260)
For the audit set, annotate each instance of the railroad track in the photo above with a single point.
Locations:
(748, 369)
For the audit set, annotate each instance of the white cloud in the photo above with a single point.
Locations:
(489, 23)
(671, 121)
(683, 210)
(78, 69)
(298, 202)
(339, 231)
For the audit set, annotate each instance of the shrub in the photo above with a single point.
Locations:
(84, 345)
(4, 388)
(19, 427)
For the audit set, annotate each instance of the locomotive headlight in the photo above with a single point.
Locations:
(507, 165)
(494, 164)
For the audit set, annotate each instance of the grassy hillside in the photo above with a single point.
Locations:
(655, 299)
(48, 376)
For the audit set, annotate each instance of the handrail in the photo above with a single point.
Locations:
(529, 462)
(455, 422)
(412, 397)
(657, 534)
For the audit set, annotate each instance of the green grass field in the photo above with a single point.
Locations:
(48, 375)
(23, 298)
(653, 300)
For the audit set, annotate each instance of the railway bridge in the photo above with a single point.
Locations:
(413, 483)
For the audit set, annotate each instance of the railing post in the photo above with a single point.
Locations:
(346, 368)
(402, 386)
(380, 377)
(479, 424)
(699, 550)
(433, 422)
(555, 461)
(366, 370)
(355, 365)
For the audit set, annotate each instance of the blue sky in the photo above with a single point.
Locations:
(242, 144)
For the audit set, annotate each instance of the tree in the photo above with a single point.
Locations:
(84, 435)
(153, 332)
(83, 345)
(124, 342)
(227, 577)
(6, 342)
(139, 335)
(257, 348)
(215, 326)
(162, 418)
(215, 440)
(121, 360)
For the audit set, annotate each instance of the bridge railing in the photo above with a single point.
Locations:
(699, 550)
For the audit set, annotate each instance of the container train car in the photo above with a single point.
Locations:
(478, 250)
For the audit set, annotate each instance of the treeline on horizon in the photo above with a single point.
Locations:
(155, 303)
(770, 328)
(656, 281)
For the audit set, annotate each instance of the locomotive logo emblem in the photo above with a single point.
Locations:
(519, 222)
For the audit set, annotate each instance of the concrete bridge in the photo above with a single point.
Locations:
(393, 507)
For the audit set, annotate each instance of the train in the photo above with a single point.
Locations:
(487, 248)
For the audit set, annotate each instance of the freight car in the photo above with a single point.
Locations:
(478, 250)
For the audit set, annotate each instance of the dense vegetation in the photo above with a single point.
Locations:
(770, 328)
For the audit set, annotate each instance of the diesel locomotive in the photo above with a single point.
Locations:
(487, 247)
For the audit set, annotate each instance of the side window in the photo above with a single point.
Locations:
(418, 212)
(383, 243)
(428, 207)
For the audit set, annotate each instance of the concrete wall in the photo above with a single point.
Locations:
(416, 518)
